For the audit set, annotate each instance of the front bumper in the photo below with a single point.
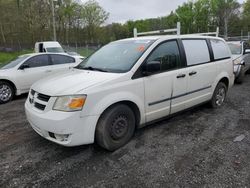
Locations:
(241, 69)
(79, 130)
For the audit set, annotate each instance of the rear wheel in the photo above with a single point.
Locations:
(219, 95)
(6, 92)
(116, 127)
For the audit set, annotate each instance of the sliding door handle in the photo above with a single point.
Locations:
(181, 76)
(192, 73)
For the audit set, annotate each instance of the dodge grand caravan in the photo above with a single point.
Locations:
(128, 84)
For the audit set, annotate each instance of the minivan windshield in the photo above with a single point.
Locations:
(14, 62)
(116, 57)
(55, 50)
(235, 48)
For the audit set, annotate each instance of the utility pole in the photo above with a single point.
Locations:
(54, 20)
(226, 21)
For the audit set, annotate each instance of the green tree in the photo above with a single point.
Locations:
(93, 16)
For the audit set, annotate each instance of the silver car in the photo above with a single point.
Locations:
(241, 56)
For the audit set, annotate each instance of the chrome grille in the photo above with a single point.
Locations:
(38, 100)
(43, 97)
(40, 106)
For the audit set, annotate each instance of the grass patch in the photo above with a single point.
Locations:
(6, 57)
(85, 51)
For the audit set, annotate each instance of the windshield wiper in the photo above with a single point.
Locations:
(94, 69)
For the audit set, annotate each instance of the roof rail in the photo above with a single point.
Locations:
(177, 30)
(216, 33)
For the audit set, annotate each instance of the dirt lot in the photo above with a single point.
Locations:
(193, 149)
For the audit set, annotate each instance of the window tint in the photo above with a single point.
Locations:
(220, 49)
(38, 61)
(168, 55)
(61, 59)
(196, 51)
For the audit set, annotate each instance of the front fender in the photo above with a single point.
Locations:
(114, 98)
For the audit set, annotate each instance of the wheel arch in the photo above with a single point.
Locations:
(11, 83)
(225, 80)
(134, 107)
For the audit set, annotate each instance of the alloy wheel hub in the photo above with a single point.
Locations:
(5, 93)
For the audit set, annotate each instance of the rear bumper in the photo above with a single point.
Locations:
(79, 130)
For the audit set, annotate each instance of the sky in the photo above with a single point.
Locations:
(124, 10)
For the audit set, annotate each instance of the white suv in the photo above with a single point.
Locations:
(17, 76)
(128, 84)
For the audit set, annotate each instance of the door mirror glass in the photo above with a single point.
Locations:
(247, 51)
(24, 66)
(152, 67)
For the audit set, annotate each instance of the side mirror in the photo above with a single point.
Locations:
(247, 51)
(151, 68)
(24, 66)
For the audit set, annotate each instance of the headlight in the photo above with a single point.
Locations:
(70, 103)
(238, 62)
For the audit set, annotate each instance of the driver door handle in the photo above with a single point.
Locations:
(181, 76)
(192, 73)
(48, 71)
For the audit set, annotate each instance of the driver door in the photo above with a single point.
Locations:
(170, 81)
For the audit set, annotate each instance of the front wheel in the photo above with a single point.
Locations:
(115, 127)
(6, 92)
(219, 95)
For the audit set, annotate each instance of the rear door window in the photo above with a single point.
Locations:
(61, 59)
(220, 49)
(197, 51)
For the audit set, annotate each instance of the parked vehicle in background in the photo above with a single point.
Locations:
(17, 76)
(128, 84)
(241, 58)
(53, 47)
(48, 46)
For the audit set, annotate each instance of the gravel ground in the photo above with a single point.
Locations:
(193, 149)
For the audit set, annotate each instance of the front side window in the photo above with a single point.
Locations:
(61, 59)
(220, 49)
(168, 55)
(15, 62)
(38, 61)
(117, 57)
(196, 51)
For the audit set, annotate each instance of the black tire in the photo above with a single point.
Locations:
(240, 78)
(219, 95)
(6, 92)
(115, 127)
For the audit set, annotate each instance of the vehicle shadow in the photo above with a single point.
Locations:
(20, 97)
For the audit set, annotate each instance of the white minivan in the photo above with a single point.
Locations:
(128, 84)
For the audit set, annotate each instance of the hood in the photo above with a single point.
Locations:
(5, 72)
(71, 82)
(235, 57)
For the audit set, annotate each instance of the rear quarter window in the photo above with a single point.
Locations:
(197, 51)
(220, 49)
